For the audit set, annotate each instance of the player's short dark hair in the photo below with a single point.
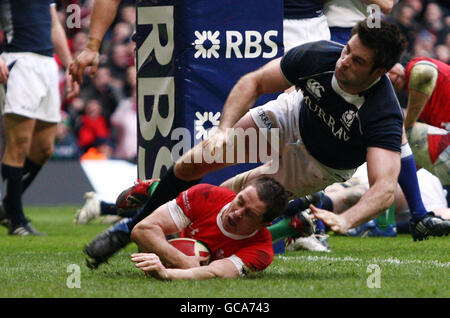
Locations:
(273, 194)
(386, 41)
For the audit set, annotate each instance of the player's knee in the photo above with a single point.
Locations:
(43, 153)
(18, 150)
(47, 151)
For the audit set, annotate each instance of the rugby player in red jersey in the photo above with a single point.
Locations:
(231, 225)
(427, 82)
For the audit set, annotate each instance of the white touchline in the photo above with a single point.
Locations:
(393, 261)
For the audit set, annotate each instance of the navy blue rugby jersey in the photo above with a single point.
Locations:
(302, 9)
(27, 24)
(337, 127)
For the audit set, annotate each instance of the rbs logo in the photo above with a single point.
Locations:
(251, 44)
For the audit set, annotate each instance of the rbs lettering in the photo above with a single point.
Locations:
(250, 44)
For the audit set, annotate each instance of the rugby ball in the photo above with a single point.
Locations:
(192, 247)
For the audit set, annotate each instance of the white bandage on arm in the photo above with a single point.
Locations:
(423, 77)
(240, 266)
(179, 218)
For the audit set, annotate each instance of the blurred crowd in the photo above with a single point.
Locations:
(101, 122)
(426, 25)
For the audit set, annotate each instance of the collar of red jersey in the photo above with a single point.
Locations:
(225, 232)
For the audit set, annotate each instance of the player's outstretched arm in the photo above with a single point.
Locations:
(150, 235)
(152, 265)
(383, 167)
(59, 40)
(103, 14)
(267, 79)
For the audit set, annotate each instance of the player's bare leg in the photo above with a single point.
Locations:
(18, 131)
(42, 145)
(43, 141)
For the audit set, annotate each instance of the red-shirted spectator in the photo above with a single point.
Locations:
(94, 128)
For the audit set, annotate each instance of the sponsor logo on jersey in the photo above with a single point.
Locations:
(194, 231)
(314, 88)
(186, 200)
(337, 130)
(347, 118)
(265, 119)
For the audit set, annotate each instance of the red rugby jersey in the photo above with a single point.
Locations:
(437, 109)
(197, 212)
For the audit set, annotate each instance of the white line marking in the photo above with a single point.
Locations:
(392, 261)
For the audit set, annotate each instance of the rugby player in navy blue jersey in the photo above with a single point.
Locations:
(304, 21)
(31, 108)
(343, 114)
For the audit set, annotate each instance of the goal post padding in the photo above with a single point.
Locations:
(189, 54)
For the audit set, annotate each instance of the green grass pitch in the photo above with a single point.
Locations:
(37, 267)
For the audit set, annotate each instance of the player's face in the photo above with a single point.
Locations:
(354, 67)
(397, 77)
(245, 213)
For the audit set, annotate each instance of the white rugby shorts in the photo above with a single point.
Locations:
(300, 31)
(299, 172)
(32, 89)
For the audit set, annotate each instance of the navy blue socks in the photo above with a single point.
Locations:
(30, 171)
(409, 184)
(12, 200)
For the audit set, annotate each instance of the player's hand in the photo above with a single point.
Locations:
(4, 71)
(87, 57)
(73, 88)
(216, 144)
(191, 261)
(150, 264)
(336, 222)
